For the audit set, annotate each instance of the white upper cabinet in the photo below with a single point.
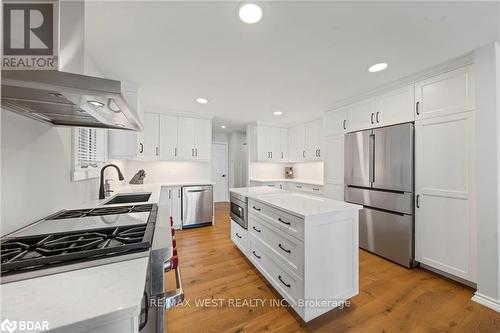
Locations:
(284, 144)
(395, 106)
(300, 142)
(203, 139)
(335, 122)
(168, 137)
(314, 137)
(186, 132)
(361, 115)
(292, 145)
(447, 93)
(149, 138)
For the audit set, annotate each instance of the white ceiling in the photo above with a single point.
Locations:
(300, 58)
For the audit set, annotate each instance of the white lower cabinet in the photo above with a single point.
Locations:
(305, 258)
(239, 236)
(444, 215)
(171, 196)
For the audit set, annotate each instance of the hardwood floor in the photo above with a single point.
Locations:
(391, 298)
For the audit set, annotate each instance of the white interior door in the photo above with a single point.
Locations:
(219, 171)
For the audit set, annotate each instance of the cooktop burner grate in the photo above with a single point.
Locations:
(77, 213)
(27, 253)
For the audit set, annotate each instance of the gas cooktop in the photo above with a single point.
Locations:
(29, 253)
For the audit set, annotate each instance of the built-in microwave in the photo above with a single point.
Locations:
(239, 210)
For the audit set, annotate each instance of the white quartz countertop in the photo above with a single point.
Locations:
(288, 180)
(296, 203)
(78, 300)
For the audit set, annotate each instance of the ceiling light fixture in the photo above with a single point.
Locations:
(223, 126)
(202, 100)
(250, 13)
(277, 113)
(377, 67)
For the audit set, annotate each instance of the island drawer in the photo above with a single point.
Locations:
(287, 284)
(287, 249)
(292, 224)
(239, 236)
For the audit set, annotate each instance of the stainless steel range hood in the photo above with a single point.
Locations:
(68, 99)
(65, 97)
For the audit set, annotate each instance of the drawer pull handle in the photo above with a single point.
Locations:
(315, 189)
(257, 209)
(254, 228)
(281, 247)
(238, 235)
(255, 254)
(282, 221)
(286, 284)
(298, 186)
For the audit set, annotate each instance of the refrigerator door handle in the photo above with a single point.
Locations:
(371, 158)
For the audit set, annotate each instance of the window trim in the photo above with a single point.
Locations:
(78, 173)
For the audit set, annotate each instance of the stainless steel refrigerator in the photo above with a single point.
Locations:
(379, 174)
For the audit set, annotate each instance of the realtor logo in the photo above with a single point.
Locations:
(8, 326)
(30, 35)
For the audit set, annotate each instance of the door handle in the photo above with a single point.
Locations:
(344, 124)
(281, 247)
(376, 117)
(223, 176)
(417, 108)
(417, 201)
(371, 118)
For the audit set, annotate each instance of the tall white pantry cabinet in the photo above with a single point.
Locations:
(445, 228)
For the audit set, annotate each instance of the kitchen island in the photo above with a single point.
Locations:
(305, 246)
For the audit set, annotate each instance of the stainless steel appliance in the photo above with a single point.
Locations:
(379, 174)
(77, 239)
(197, 205)
(239, 209)
(67, 99)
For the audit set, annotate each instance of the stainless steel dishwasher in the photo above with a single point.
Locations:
(197, 205)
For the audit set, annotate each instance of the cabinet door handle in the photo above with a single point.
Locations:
(178, 193)
(417, 201)
(283, 221)
(371, 118)
(258, 230)
(255, 254)
(344, 124)
(157, 151)
(196, 152)
(238, 235)
(286, 284)
(319, 152)
(192, 152)
(304, 153)
(376, 118)
(256, 208)
(175, 151)
(281, 247)
(281, 155)
(142, 148)
(271, 154)
(417, 108)
(170, 194)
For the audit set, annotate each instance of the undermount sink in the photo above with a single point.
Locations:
(128, 198)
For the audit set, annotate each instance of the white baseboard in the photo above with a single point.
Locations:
(487, 301)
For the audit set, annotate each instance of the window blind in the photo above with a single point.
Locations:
(90, 152)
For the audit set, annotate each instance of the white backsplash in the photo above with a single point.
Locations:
(159, 171)
(305, 170)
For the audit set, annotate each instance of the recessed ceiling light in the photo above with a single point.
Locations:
(202, 100)
(277, 113)
(250, 13)
(377, 67)
(96, 104)
(223, 126)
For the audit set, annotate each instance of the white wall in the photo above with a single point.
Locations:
(309, 171)
(220, 137)
(36, 167)
(160, 171)
(487, 64)
(312, 171)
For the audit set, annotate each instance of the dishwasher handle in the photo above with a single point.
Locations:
(197, 191)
